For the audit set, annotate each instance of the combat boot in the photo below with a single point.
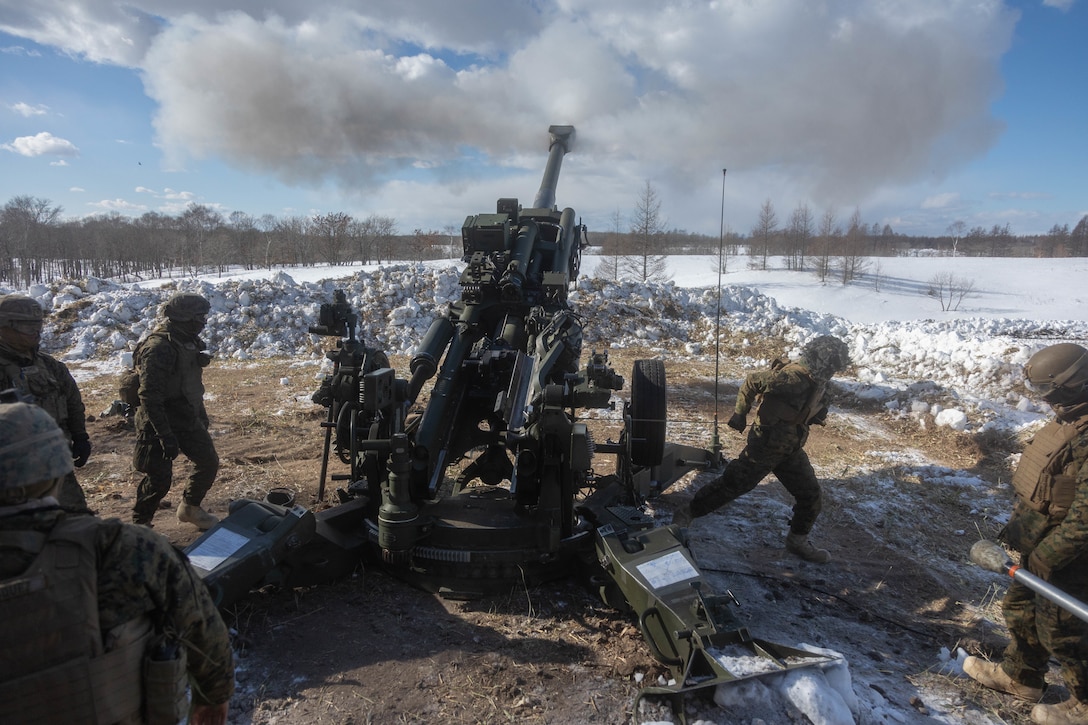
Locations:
(993, 676)
(1070, 712)
(799, 545)
(192, 514)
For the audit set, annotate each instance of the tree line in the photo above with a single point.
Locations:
(38, 244)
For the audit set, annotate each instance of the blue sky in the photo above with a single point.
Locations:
(917, 113)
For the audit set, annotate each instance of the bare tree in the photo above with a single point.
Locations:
(950, 290)
(1078, 238)
(27, 226)
(828, 240)
(851, 262)
(372, 235)
(612, 249)
(763, 233)
(456, 247)
(799, 233)
(956, 232)
(293, 237)
(644, 259)
(245, 238)
(198, 224)
(331, 231)
(422, 244)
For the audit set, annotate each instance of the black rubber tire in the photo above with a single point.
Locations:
(648, 410)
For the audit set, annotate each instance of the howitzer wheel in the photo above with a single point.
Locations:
(647, 409)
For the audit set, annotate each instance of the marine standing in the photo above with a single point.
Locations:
(45, 381)
(1049, 527)
(788, 398)
(171, 418)
(101, 621)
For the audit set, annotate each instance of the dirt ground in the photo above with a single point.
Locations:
(371, 649)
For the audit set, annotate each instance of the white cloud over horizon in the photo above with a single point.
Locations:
(41, 144)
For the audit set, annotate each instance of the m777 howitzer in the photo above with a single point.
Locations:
(493, 484)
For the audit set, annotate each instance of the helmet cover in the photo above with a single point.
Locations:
(33, 452)
(825, 355)
(20, 308)
(185, 307)
(1058, 373)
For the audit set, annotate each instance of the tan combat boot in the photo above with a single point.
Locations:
(1070, 712)
(991, 675)
(198, 517)
(799, 545)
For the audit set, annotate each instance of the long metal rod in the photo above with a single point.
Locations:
(991, 556)
(716, 445)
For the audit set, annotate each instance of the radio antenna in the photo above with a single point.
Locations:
(716, 445)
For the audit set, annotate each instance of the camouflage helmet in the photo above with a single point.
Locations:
(1059, 373)
(34, 453)
(20, 308)
(825, 355)
(185, 306)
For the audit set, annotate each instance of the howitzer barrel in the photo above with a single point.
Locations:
(991, 556)
(562, 140)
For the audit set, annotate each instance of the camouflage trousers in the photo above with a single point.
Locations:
(158, 470)
(744, 473)
(1039, 628)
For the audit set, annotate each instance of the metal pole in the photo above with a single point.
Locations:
(716, 445)
(991, 556)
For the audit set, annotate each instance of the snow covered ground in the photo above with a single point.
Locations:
(962, 367)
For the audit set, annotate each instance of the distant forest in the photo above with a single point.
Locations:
(37, 244)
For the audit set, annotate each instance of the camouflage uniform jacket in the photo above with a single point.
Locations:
(171, 383)
(141, 574)
(1058, 541)
(50, 383)
(787, 395)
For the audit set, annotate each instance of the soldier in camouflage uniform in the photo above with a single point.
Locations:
(90, 608)
(171, 417)
(1049, 527)
(788, 398)
(44, 381)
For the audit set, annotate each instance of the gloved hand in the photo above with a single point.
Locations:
(737, 422)
(1038, 567)
(169, 445)
(81, 450)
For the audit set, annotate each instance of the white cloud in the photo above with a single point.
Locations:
(42, 144)
(117, 205)
(60, 162)
(19, 50)
(1025, 195)
(25, 109)
(1063, 5)
(941, 201)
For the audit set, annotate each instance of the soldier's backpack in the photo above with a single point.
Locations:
(128, 388)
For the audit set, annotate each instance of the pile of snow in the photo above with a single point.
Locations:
(963, 373)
